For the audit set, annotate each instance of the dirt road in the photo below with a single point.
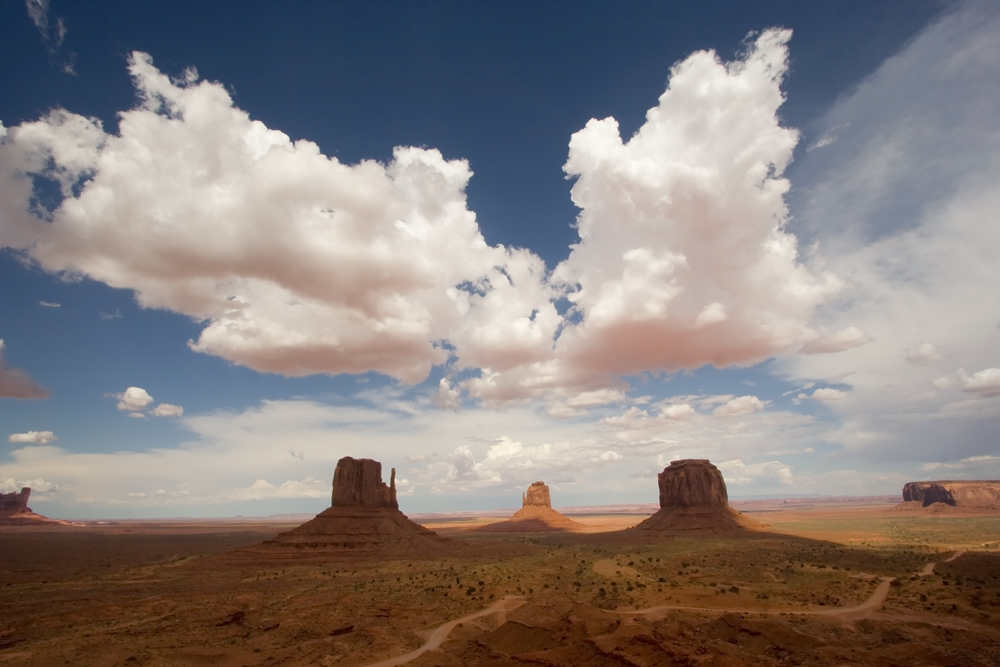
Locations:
(501, 607)
(929, 568)
(509, 603)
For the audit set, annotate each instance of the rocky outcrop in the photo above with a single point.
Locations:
(14, 510)
(12, 504)
(960, 495)
(692, 483)
(536, 515)
(693, 497)
(358, 483)
(537, 495)
(362, 523)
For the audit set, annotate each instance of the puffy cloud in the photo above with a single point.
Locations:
(986, 382)
(836, 342)
(300, 264)
(167, 410)
(33, 437)
(133, 399)
(977, 467)
(682, 259)
(827, 394)
(922, 355)
(261, 489)
(767, 473)
(743, 405)
(447, 397)
(38, 486)
(15, 383)
(463, 465)
(677, 411)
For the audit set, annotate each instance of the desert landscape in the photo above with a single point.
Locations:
(699, 582)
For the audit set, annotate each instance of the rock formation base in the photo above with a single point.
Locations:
(698, 519)
(359, 533)
(534, 519)
(363, 523)
(14, 511)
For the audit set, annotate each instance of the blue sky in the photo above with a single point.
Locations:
(240, 242)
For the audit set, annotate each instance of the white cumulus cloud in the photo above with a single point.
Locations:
(167, 410)
(300, 264)
(742, 405)
(767, 473)
(827, 394)
(985, 382)
(133, 399)
(33, 437)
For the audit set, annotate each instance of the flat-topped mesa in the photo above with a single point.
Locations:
(693, 497)
(358, 483)
(692, 483)
(983, 494)
(537, 495)
(12, 504)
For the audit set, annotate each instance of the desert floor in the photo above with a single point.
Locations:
(829, 583)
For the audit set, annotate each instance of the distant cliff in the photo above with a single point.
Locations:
(972, 494)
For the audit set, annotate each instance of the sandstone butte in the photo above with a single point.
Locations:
(693, 498)
(362, 522)
(14, 511)
(948, 496)
(536, 515)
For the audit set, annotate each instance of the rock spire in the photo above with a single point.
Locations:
(536, 515)
(358, 483)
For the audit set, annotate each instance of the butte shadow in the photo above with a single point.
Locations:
(693, 499)
(363, 522)
(535, 516)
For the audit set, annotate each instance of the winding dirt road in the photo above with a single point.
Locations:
(878, 596)
(509, 603)
(501, 607)
(929, 568)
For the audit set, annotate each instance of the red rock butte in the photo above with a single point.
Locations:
(536, 515)
(693, 497)
(363, 522)
(947, 495)
(14, 511)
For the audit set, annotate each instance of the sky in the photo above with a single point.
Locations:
(493, 243)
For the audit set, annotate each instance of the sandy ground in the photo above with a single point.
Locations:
(832, 583)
